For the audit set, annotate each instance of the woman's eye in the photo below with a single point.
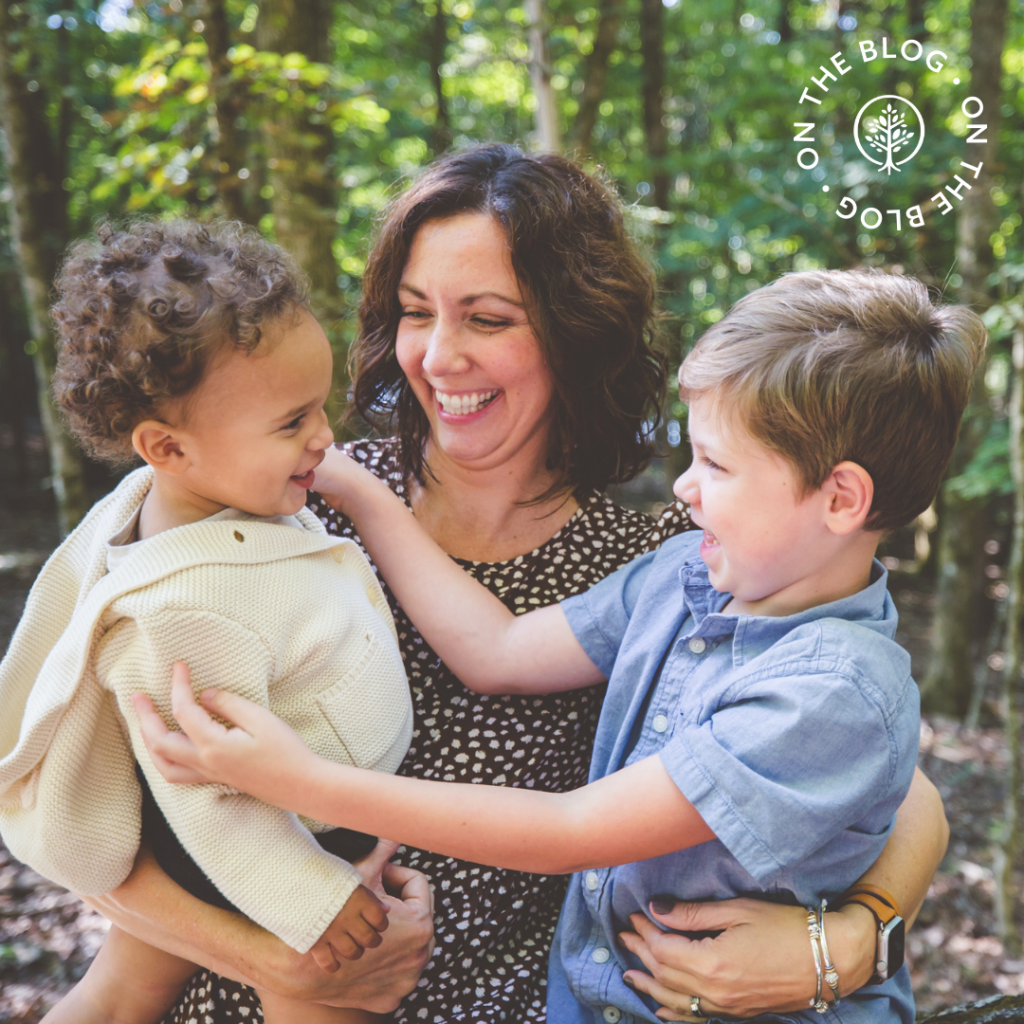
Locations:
(414, 314)
(483, 321)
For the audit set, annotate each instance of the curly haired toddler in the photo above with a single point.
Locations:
(193, 347)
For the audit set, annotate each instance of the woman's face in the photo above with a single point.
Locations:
(466, 345)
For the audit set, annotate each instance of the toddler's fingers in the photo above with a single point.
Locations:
(324, 957)
(347, 947)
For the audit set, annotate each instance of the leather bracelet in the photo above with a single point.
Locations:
(831, 974)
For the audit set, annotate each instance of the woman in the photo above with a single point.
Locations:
(506, 331)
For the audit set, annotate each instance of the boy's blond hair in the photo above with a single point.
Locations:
(828, 365)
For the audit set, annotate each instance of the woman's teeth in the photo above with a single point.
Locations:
(464, 404)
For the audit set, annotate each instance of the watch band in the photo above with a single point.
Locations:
(880, 902)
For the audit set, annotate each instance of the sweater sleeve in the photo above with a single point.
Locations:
(260, 857)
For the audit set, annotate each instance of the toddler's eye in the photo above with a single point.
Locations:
(710, 464)
(295, 423)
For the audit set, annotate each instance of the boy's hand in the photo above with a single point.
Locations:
(262, 755)
(356, 928)
(336, 476)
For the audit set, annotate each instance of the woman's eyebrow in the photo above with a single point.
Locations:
(468, 300)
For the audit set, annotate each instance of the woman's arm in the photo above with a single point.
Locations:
(520, 829)
(154, 909)
(475, 635)
(761, 962)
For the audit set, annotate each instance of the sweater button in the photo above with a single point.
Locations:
(238, 536)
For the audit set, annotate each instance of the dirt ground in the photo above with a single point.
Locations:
(47, 937)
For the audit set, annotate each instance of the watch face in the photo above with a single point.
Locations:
(891, 945)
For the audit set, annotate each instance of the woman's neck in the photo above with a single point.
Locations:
(477, 513)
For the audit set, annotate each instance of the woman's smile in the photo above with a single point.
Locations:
(460, 406)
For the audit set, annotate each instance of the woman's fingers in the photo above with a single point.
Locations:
(710, 916)
(676, 1005)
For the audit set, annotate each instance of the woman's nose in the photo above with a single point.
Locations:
(445, 354)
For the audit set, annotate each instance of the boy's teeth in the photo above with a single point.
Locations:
(463, 405)
(709, 538)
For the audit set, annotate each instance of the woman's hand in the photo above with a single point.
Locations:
(260, 755)
(761, 962)
(336, 476)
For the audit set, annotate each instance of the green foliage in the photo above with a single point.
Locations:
(142, 135)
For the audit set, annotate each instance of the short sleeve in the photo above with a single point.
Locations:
(785, 765)
(599, 618)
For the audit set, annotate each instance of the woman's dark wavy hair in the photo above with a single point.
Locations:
(590, 296)
(140, 312)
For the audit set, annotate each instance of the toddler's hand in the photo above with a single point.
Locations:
(356, 928)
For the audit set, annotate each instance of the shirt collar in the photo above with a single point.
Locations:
(871, 607)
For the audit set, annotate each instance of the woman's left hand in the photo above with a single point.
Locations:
(761, 962)
(260, 755)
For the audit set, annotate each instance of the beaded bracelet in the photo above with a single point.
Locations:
(831, 974)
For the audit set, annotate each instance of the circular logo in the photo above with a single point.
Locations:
(891, 124)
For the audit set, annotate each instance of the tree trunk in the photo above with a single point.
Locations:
(549, 136)
(993, 1010)
(438, 43)
(228, 101)
(652, 52)
(1009, 849)
(300, 153)
(38, 211)
(947, 685)
(595, 73)
(785, 27)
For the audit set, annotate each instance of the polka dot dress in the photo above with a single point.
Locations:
(493, 927)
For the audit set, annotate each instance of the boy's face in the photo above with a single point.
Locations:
(761, 536)
(255, 428)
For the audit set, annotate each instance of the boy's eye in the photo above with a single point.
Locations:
(295, 423)
(710, 464)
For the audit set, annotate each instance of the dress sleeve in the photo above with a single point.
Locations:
(260, 857)
(600, 616)
(789, 759)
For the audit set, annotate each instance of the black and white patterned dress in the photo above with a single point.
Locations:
(493, 927)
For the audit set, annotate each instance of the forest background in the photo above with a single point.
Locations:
(304, 116)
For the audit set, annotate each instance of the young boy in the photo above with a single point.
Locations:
(761, 725)
(194, 348)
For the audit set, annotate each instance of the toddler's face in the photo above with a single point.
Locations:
(255, 427)
(761, 535)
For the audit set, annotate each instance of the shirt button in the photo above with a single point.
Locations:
(697, 645)
(601, 955)
(660, 723)
(592, 880)
(612, 1014)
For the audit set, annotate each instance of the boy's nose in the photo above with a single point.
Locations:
(323, 436)
(685, 488)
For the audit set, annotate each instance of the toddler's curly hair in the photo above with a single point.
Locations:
(140, 312)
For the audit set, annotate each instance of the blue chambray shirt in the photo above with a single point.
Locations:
(794, 737)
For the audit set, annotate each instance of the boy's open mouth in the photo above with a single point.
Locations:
(305, 479)
(710, 540)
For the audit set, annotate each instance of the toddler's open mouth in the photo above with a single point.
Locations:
(710, 540)
(305, 480)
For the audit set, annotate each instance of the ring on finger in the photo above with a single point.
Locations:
(695, 1007)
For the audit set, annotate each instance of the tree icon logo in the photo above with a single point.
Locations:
(888, 131)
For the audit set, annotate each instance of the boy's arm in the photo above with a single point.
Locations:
(634, 814)
(475, 635)
(260, 857)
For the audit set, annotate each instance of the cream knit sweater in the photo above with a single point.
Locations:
(293, 619)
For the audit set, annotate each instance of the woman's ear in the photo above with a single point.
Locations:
(161, 445)
(850, 492)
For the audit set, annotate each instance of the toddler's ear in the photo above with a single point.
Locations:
(849, 491)
(159, 444)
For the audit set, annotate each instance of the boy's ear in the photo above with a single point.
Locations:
(850, 492)
(161, 446)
